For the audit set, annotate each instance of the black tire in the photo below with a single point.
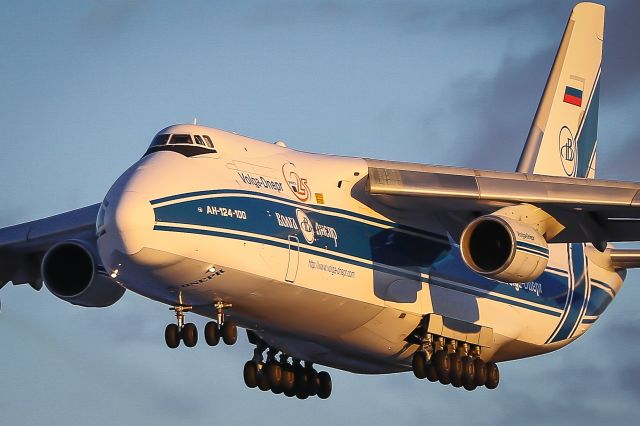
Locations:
(468, 369)
(301, 382)
(189, 335)
(480, 375)
(229, 332)
(288, 378)
(212, 333)
(443, 364)
(432, 373)
(324, 390)
(290, 392)
(419, 365)
(469, 384)
(493, 376)
(456, 370)
(274, 374)
(313, 381)
(277, 390)
(250, 374)
(263, 382)
(172, 336)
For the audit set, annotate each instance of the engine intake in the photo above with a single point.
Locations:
(504, 249)
(71, 272)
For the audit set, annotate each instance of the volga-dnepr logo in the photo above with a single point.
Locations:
(306, 227)
(568, 151)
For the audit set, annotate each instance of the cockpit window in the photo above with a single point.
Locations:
(181, 139)
(185, 144)
(160, 140)
(208, 141)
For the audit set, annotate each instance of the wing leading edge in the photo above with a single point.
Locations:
(23, 246)
(586, 208)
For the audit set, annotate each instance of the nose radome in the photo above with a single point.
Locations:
(131, 217)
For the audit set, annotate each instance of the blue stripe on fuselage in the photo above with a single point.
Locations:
(396, 250)
(575, 308)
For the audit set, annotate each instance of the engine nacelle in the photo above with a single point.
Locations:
(72, 272)
(504, 249)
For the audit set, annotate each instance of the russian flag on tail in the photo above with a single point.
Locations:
(573, 96)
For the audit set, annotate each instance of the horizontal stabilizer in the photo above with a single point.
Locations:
(624, 259)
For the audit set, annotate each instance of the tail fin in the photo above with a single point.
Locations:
(563, 136)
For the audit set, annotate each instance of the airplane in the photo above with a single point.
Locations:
(363, 265)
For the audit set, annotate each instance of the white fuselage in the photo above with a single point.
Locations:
(290, 239)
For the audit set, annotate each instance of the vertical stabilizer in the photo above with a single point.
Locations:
(563, 137)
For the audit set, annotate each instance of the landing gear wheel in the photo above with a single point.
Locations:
(480, 376)
(469, 385)
(288, 378)
(493, 376)
(212, 333)
(468, 369)
(290, 392)
(273, 372)
(432, 373)
(229, 332)
(172, 336)
(324, 390)
(468, 373)
(313, 382)
(301, 382)
(250, 374)
(456, 370)
(419, 365)
(442, 363)
(263, 381)
(189, 334)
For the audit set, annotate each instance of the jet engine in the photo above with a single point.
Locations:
(72, 272)
(505, 249)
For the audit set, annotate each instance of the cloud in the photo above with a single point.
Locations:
(497, 110)
(111, 17)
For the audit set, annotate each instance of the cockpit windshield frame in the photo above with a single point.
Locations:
(183, 143)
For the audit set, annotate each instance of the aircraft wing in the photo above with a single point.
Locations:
(590, 210)
(23, 246)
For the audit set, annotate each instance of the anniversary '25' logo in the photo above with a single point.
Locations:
(298, 185)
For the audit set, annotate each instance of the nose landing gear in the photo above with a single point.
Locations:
(213, 331)
(188, 333)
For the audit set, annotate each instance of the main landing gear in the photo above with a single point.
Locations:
(450, 362)
(213, 331)
(280, 376)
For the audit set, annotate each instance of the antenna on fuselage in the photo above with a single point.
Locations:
(195, 121)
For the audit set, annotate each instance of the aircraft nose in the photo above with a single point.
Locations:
(129, 219)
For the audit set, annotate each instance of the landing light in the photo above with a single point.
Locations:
(212, 269)
(114, 274)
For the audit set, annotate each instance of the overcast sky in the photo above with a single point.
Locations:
(86, 84)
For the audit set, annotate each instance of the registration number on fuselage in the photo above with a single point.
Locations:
(223, 211)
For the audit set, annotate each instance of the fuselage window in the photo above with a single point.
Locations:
(199, 140)
(181, 139)
(160, 140)
(208, 141)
